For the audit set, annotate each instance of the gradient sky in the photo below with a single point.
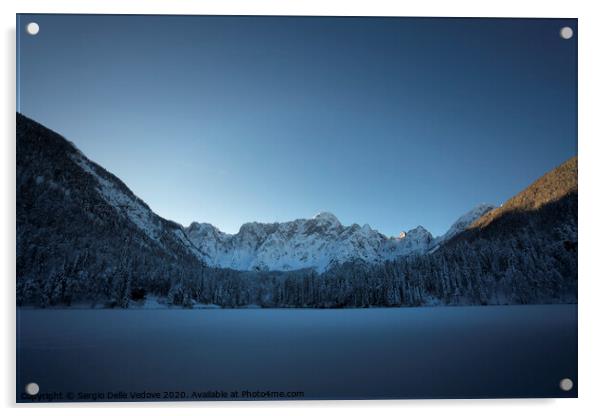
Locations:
(395, 122)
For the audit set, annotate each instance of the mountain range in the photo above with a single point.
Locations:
(317, 243)
(81, 233)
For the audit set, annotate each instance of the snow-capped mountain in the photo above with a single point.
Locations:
(466, 220)
(72, 193)
(304, 243)
(317, 243)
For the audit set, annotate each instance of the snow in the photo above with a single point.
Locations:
(327, 217)
(131, 206)
(465, 220)
(317, 243)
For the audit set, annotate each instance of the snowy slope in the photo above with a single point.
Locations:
(312, 243)
(128, 205)
(67, 191)
(318, 243)
(96, 239)
(466, 220)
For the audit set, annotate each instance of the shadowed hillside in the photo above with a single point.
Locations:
(82, 234)
(551, 187)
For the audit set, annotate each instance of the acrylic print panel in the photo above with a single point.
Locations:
(293, 208)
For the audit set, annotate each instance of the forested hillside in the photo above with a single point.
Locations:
(83, 238)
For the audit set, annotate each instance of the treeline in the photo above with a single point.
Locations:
(73, 247)
(535, 263)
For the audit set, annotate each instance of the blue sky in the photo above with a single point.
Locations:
(394, 122)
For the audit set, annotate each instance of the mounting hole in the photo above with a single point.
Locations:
(32, 28)
(566, 384)
(32, 389)
(566, 32)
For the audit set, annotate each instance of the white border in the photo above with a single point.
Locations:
(590, 137)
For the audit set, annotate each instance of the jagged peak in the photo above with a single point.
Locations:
(418, 230)
(197, 225)
(327, 217)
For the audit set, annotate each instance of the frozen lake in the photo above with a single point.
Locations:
(444, 352)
